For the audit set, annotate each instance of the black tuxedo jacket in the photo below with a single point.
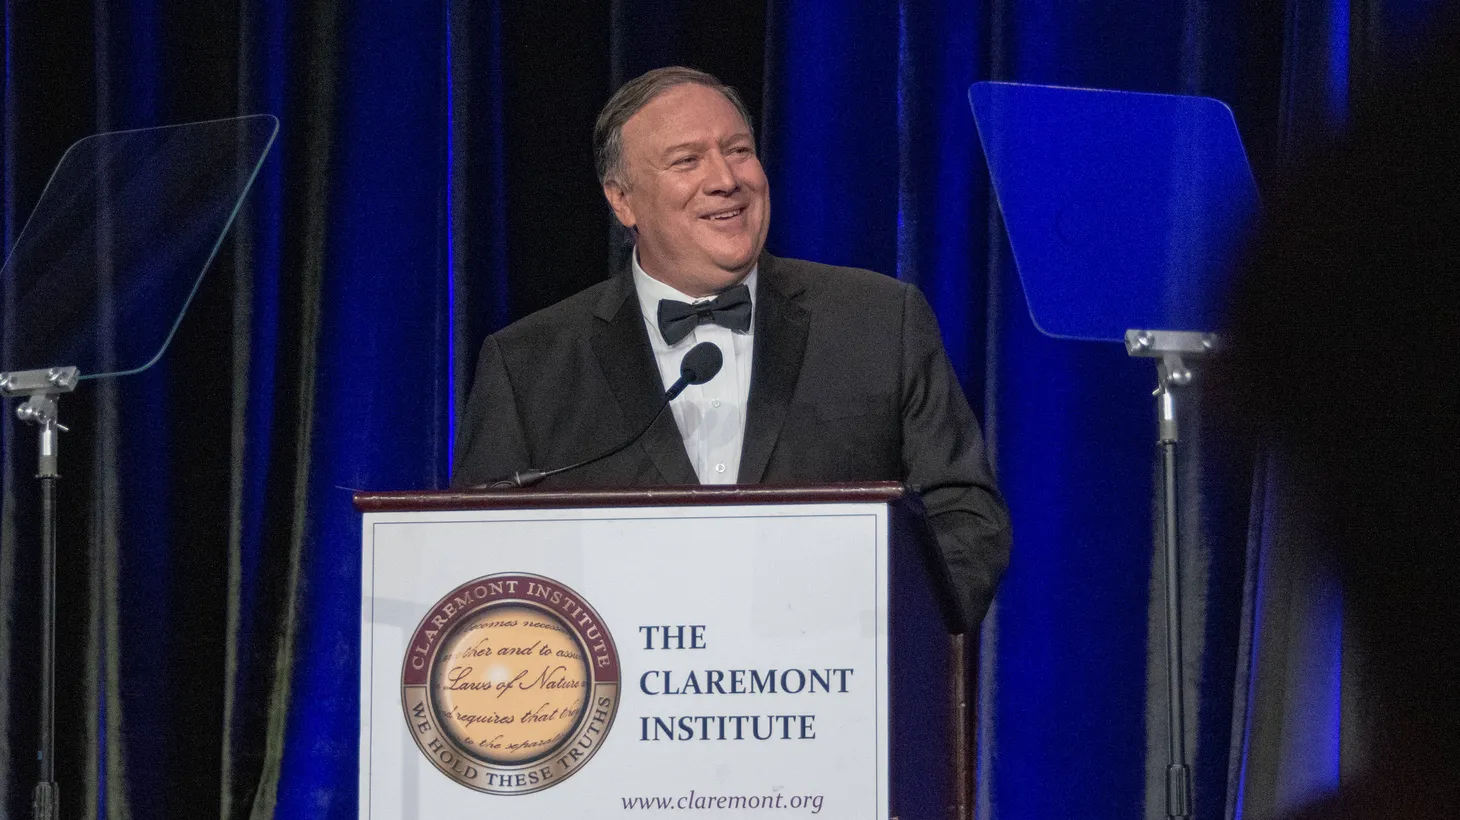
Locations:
(849, 382)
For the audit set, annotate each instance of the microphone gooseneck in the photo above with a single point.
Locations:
(699, 365)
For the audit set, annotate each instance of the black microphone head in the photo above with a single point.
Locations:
(701, 363)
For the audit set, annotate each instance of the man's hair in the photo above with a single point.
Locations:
(608, 132)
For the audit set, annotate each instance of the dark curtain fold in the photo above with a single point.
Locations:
(1304, 707)
(432, 181)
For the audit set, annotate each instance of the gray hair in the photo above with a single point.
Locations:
(608, 131)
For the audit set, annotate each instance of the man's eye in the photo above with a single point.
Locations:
(685, 162)
(741, 150)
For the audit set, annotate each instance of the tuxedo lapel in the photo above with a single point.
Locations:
(622, 346)
(781, 327)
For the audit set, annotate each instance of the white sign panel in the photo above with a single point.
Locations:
(723, 661)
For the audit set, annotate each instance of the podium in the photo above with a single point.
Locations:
(736, 651)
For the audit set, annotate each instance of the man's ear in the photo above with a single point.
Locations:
(618, 200)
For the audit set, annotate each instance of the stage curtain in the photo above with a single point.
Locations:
(432, 181)
(1305, 715)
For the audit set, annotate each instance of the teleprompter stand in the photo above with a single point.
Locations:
(95, 287)
(1169, 347)
(41, 389)
(1125, 211)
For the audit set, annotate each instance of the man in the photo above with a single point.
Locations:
(830, 374)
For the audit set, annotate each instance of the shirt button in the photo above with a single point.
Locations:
(719, 468)
(714, 402)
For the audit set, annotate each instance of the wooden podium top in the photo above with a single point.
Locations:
(423, 500)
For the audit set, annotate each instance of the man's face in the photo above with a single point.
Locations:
(693, 189)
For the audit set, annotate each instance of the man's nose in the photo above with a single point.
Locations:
(719, 176)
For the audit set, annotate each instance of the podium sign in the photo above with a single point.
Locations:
(592, 661)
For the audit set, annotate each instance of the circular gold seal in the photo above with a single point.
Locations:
(510, 683)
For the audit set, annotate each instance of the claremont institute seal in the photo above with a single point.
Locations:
(510, 683)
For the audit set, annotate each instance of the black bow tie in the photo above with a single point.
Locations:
(730, 309)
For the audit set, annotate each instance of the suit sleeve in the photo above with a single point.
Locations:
(944, 459)
(490, 442)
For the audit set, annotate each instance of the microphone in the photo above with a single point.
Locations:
(699, 365)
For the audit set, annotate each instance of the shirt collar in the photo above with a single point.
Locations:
(651, 290)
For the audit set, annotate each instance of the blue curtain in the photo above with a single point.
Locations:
(432, 182)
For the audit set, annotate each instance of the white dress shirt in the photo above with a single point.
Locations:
(711, 416)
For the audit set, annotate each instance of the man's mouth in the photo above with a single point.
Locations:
(719, 216)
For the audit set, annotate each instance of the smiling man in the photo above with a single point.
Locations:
(830, 374)
(683, 175)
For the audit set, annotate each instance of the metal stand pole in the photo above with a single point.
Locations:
(963, 716)
(40, 409)
(1178, 775)
(1172, 373)
(46, 802)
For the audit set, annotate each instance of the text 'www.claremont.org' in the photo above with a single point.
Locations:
(808, 803)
